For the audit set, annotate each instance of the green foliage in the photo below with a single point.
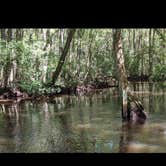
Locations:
(159, 73)
(31, 88)
(91, 53)
(37, 87)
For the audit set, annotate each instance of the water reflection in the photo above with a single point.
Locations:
(83, 124)
(151, 97)
(127, 140)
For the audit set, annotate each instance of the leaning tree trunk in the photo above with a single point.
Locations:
(132, 109)
(63, 56)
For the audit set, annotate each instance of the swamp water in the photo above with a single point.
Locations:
(88, 124)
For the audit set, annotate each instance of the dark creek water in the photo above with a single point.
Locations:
(83, 124)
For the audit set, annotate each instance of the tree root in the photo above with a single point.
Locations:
(135, 110)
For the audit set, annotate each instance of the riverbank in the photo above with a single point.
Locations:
(8, 94)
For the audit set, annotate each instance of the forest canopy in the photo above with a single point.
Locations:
(30, 59)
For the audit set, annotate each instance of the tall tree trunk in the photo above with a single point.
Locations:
(150, 60)
(9, 35)
(61, 40)
(79, 57)
(137, 55)
(123, 83)
(151, 45)
(115, 74)
(18, 55)
(6, 71)
(134, 43)
(47, 47)
(19, 34)
(14, 57)
(132, 109)
(150, 54)
(142, 57)
(89, 60)
(63, 56)
(3, 34)
(8, 67)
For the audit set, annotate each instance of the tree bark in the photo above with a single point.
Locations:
(3, 34)
(19, 34)
(89, 60)
(63, 56)
(61, 40)
(132, 108)
(151, 45)
(9, 35)
(8, 66)
(123, 83)
(150, 54)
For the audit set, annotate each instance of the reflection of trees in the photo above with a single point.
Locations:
(142, 86)
(56, 129)
(138, 86)
(43, 127)
(151, 109)
(90, 106)
(12, 125)
(68, 102)
(163, 101)
(82, 131)
(127, 135)
(85, 142)
(134, 86)
(160, 103)
(53, 127)
(67, 140)
(11, 115)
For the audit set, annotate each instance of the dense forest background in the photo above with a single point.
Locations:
(34, 59)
